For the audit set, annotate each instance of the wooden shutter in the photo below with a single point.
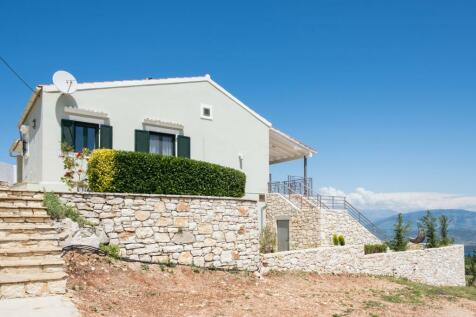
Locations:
(141, 141)
(105, 132)
(183, 146)
(67, 132)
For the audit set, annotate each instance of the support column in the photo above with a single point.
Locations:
(305, 175)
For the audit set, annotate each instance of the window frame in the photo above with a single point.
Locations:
(202, 109)
(160, 134)
(85, 126)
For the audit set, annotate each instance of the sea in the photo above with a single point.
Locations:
(469, 249)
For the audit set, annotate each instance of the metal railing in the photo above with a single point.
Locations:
(303, 186)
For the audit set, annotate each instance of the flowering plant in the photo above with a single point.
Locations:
(74, 164)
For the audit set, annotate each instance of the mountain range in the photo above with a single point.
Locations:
(462, 225)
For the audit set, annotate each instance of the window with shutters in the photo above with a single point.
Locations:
(162, 143)
(80, 135)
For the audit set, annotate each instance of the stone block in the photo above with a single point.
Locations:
(142, 215)
(181, 221)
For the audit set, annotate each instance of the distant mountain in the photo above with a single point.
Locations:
(462, 223)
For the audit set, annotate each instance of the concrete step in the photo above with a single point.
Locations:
(9, 237)
(21, 208)
(22, 213)
(27, 227)
(27, 285)
(26, 218)
(28, 251)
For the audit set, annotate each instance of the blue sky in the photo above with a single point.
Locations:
(385, 90)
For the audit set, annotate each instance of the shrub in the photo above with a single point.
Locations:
(444, 237)
(267, 240)
(57, 210)
(341, 240)
(470, 268)
(335, 239)
(149, 173)
(428, 222)
(400, 230)
(111, 250)
(375, 248)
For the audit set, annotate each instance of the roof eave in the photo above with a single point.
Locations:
(29, 105)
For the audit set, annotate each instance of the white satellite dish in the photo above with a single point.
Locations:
(65, 82)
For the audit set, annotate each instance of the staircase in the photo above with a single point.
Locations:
(300, 186)
(30, 255)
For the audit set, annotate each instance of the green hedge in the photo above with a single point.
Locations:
(375, 248)
(147, 173)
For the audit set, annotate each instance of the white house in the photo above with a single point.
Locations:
(193, 117)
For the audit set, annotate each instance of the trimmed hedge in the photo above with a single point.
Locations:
(147, 173)
(375, 248)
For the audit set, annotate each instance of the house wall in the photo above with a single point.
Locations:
(203, 231)
(33, 159)
(439, 266)
(232, 131)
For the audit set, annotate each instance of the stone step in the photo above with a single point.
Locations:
(22, 213)
(37, 284)
(9, 237)
(29, 251)
(20, 193)
(27, 227)
(28, 243)
(14, 202)
(21, 208)
(34, 265)
(18, 218)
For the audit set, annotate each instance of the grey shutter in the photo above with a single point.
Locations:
(105, 132)
(67, 132)
(141, 141)
(183, 146)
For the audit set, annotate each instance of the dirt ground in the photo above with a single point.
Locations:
(101, 287)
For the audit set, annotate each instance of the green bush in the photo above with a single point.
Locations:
(148, 173)
(444, 237)
(111, 250)
(375, 248)
(267, 240)
(341, 240)
(57, 210)
(335, 239)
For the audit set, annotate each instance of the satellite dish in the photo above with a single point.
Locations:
(65, 82)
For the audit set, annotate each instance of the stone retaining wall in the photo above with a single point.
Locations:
(334, 221)
(203, 231)
(439, 266)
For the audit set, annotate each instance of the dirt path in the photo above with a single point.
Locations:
(101, 288)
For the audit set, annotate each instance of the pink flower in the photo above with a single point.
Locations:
(78, 154)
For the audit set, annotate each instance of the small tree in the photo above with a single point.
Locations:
(471, 269)
(267, 240)
(444, 237)
(428, 222)
(341, 240)
(400, 230)
(335, 239)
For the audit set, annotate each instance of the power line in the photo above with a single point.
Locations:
(16, 74)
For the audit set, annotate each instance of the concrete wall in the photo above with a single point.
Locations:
(439, 266)
(7, 173)
(203, 231)
(233, 130)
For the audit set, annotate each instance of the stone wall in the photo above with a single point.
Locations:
(439, 266)
(310, 226)
(203, 231)
(303, 220)
(334, 221)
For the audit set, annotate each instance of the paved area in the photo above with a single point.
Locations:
(46, 306)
